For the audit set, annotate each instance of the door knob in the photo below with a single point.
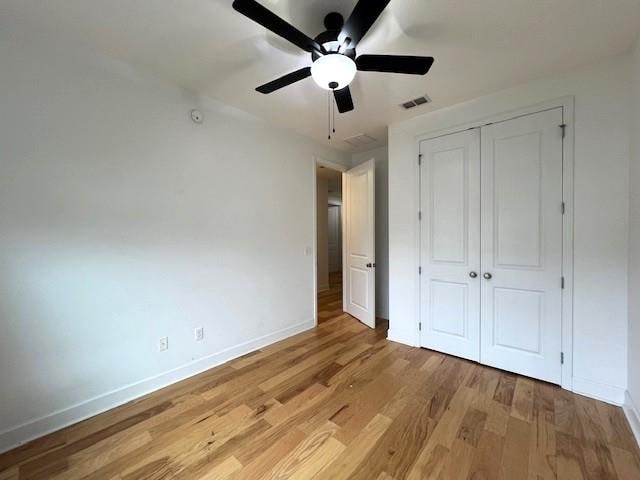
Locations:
(473, 274)
(369, 265)
(487, 276)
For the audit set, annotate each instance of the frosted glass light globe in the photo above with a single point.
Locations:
(333, 67)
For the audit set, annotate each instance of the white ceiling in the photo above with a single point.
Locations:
(205, 46)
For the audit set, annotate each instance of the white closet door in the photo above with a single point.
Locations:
(450, 237)
(522, 245)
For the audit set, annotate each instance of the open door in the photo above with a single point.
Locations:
(359, 243)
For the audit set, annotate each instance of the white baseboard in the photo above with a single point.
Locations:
(20, 434)
(599, 391)
(633, 416)
(395, 336)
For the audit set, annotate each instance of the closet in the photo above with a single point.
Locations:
(491, 244)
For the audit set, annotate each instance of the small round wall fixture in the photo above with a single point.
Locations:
(333, 71)
(197, 116)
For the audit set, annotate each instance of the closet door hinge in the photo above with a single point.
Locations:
(562, 282)
(561, 358)
(419, 159)
(564, 129)
(563, 208)
(419, 270)
(420, 215)
(420, 326)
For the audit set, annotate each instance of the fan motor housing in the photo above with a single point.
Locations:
(333, 22)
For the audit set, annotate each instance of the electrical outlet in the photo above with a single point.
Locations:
(199, 334)
(163, 344)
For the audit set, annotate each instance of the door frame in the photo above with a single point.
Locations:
(316, 162)
(567, 104)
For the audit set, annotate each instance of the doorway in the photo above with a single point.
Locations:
(328, 243)
(345, 218)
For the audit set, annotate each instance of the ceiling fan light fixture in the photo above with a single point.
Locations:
(332, 69)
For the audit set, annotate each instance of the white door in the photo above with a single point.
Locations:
(359, 227)
(522, 245)
(334, 231)
(450, 237)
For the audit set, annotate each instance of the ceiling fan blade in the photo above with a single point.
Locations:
(270, 21)
(343, 99)
(364, 15)
(394, 64)
(285, 80)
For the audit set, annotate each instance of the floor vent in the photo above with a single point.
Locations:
(416, 102)
(360, 140)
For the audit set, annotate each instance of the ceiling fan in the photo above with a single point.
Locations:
(333, 52)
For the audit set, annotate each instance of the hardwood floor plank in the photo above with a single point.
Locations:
(100, 454)
(522, 406)
(505, 389)
(458, 463)
(571, 464)
(515, 453)
(268, 459)
(363, 407)
(542, 449)
(472, 426)
(488, 457)
(57, 460)
(344, 465)
(398, 448)
(9, 474)
(615, 426)
(626, 464)
(566, 414)
(497, 417)
(222, 471)
(595, 450)
(309, 457)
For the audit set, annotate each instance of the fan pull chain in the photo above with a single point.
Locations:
(333, 110)
(329, 114)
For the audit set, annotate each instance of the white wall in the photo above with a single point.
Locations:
(634, 249)
(322, 245)
(121, 221)
(602, 94)
(381, 156)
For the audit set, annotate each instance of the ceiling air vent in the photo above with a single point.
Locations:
(416, 102)
(360, 140)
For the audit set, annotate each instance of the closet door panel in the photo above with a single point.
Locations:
(450, 244)
(522, 245)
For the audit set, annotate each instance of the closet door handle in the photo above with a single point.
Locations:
(473, 274)
(487, 276)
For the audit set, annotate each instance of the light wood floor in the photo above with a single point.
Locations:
(330, 301)
(341, 402)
